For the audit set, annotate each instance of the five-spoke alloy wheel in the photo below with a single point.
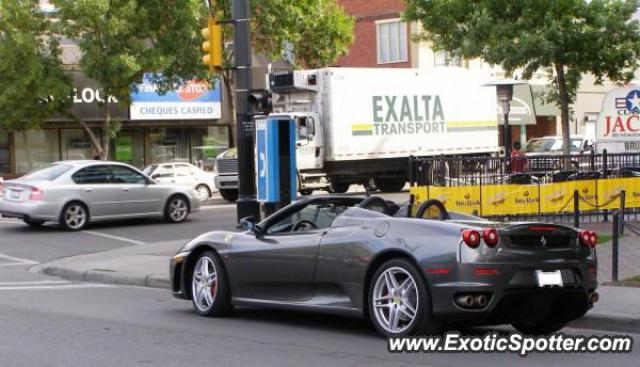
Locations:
(399, 303)
(74, 216)
(209, 287)
(176, 210)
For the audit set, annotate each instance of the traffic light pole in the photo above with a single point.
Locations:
(246, 204)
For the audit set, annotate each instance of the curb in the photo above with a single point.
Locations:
(604, 323)
(104, 276)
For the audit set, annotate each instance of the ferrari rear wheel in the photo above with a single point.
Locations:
(399, 302)
(210, 292)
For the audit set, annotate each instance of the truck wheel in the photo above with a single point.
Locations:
(229, 195)
(339, 187)
(391, 184)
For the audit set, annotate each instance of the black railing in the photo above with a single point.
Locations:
(530, 170)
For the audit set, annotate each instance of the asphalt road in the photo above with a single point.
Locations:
(47, 321)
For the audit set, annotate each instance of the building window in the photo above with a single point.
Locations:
(5, 159)
(444, 58)
(392, 41)
(36, 149)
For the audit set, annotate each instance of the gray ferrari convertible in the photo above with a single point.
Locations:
(409, 274)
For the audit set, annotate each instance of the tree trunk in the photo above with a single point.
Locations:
(227, 79)
(563, 95)
(106, 133)
(94, 139)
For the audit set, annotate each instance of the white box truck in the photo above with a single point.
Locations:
(360, 125)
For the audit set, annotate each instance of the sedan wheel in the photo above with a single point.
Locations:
(209, 287)
(74, 216)
(176, 210)
(399, 304)
(203, 192)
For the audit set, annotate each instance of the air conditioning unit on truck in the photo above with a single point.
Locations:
(360, 125)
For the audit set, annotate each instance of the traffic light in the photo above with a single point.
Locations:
(260, 102)
(212, 46)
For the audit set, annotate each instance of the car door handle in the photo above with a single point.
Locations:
(88, 190)
(126, 189)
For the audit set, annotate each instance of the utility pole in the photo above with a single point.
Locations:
(247, 204)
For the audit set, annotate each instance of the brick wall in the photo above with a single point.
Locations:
(363, 51)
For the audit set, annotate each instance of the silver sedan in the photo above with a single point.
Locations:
(74, 193)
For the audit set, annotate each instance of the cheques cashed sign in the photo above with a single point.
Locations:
(618, 126)
(194, 100)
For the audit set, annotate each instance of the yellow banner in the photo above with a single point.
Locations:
(510, 199)
(609, 192)
(532, 199)
(462, 199)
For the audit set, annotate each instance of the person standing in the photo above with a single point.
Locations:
(518, 158)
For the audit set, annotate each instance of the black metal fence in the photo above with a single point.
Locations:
(530, 170)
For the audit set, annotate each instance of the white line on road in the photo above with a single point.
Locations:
(35, 282)
(17, 260)
(112, 237)
(64, 286)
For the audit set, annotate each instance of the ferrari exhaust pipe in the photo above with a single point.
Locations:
(481, 301)
(465, 301)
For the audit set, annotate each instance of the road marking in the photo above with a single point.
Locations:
(216, 206)
(17, 260)
(35, 282)
(4, 221)
(56, 287)
(117, 238)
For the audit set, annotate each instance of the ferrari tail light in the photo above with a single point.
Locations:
(471, 237)
(36, 194)
(588, 238)
(490, 236)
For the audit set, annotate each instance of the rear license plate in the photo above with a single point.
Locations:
(14, 195)
(549, 278)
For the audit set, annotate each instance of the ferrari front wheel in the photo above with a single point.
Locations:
(399, 302)
(210, 292)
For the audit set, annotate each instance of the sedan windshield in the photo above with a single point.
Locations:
(49, 173)
(549, 145)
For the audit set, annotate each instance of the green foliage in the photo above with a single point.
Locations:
(567, 38)
(318, 30)
(121, 40)
(33, 85)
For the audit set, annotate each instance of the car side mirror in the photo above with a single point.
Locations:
(155, 176)
(249, 224)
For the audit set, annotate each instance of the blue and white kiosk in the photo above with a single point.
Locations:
(276, 171)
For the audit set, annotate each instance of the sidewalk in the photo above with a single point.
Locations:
(148, 266)
(628, 252)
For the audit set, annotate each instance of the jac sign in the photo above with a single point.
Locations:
(618, 126)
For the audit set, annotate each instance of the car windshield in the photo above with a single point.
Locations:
(549, 145)
(49, 173)
(149, 169)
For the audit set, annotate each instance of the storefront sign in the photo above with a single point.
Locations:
(90, 101)
(618, 126)
(195, 100)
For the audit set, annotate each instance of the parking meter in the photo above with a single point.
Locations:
(276, 170)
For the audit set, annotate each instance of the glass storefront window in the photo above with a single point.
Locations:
(76, 144)
(36, 149)
(167, 145)
(128, 147)
(5, 159)
(207, 143)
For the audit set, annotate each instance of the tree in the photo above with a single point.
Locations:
(33, 85)
(318, 32)
(566, 38)
(121, 40)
